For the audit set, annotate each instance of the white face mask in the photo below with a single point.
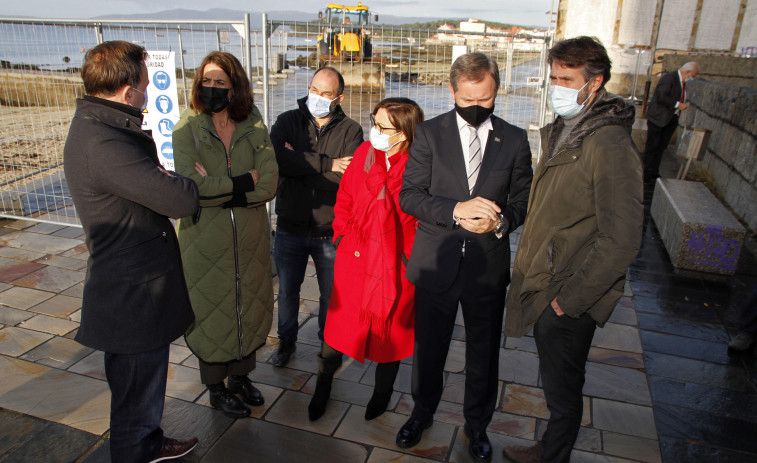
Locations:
(380, 141)
(144, 103)
(563, 100)
(318, 105)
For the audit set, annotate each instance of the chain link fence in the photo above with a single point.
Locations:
(40, 61)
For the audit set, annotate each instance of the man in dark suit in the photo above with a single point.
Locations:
(467, 180)
(668, 100)
(135, 300)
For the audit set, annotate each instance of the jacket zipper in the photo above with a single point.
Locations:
(237, 278)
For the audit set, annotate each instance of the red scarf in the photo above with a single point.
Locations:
(377, 225)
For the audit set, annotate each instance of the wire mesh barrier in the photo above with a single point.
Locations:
(40, 62)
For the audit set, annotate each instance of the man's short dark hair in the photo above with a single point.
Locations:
(473, 66)
(583, 52)
(111, 65)
(240, 104)
(338, 74)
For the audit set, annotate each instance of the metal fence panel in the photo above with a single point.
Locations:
(40, 62)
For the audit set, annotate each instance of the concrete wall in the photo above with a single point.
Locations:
(689, 26)
(731, 158)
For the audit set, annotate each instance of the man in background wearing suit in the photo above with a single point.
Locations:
(467, 180)
(668, 100)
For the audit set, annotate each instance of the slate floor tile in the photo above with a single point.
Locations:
(17, 430)
(695, 371)
(63, 397)
(688, 451)
(512, 425)
(382, 431)
(616, 383)
(617, 358)
(379, 455)
(681, 346)
(58, 353)
(623, 418)
(52, 325)
(20, 254)
(524, 343)
(623, 315)
(38, 243)
(15, 269)
(634, 448)
(23, 298)
(518, 367)
(70, 232)
(58, 306)
(292, 410)
(56, 443)
(51, 279)
(617, 337)
(286, 378)
(529, 401)
(15, 341)
(11, 316)
(92, 365)
(62, 262)
(76, 290)
(182, 420)
(266, 441)
(178, 354)
(183, 383)
(693, 425)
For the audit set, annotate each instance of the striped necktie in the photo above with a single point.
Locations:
(474, 160)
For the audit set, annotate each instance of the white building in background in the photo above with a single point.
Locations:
(628, 28)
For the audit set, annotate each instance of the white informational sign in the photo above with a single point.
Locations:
(458, 50)
(163, 103)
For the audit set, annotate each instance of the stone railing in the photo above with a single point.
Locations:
(731, 156)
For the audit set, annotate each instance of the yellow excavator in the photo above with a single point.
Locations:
(344, 42)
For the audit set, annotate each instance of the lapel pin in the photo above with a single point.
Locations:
(496, 139)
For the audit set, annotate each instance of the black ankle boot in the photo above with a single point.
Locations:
(326, 369)
(382, 392)
(241, 384)
(222, 399)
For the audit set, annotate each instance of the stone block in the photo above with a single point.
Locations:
(698, 232)
(745, 110)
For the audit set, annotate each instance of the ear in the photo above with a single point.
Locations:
(339, 99)
(452, 90)
(125, 95)
(596, 82)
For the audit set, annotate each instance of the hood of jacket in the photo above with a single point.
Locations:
(606, 109)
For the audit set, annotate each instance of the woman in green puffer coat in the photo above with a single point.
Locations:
(222, 144)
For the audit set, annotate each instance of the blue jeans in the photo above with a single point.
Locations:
(291, 253)
(138, 388)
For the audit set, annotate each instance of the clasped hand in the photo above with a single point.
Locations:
(478, 215)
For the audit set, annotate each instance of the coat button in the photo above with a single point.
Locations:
(357, 253)
(574, 156)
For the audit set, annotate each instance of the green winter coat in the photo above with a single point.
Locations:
(229, 325)
(584, 219)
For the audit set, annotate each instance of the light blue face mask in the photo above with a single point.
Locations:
(318, 105)
(564, 102)
(689, 79)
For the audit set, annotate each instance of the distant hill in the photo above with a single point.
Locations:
(255, 17)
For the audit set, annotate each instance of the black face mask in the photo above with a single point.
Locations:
(474, 115)
(214, 98)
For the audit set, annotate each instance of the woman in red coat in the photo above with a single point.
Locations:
(371, 313)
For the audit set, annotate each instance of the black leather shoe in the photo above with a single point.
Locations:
(412, 431)
(479, 446)
(222, 399)
(250, 394)
(283, 353)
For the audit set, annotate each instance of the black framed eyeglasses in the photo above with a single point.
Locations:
(380, 128)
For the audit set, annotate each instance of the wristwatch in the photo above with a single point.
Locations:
(500, 230)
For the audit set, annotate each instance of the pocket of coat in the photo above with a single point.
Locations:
(147, 260)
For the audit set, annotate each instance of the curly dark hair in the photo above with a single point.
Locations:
(583, 52)
(240, 104)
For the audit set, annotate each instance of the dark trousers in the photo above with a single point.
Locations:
(291, 251)
(138, 388)
(434, 321)
(748, 322)
(658, 139)
(563, 344)
(215, 373)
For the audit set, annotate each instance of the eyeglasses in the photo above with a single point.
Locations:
(380, 128)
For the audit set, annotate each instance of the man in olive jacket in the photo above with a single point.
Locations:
(582, 230)
(135, 300)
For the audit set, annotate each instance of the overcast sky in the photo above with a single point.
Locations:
(526, 12)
